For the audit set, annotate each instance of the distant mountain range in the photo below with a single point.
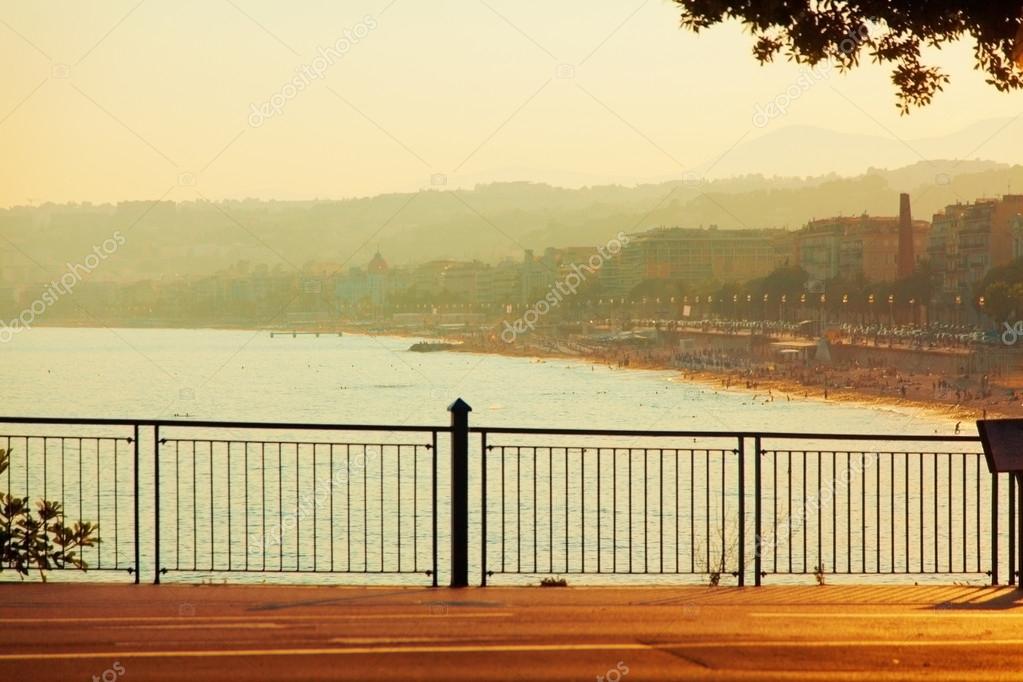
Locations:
(810, 151)
(489, 222)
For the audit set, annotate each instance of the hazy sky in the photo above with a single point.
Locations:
(138, 100)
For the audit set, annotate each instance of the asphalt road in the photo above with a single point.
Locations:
(173, 632)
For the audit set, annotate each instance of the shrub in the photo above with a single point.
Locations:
(38, 539)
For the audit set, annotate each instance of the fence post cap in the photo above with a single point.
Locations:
(459, 406)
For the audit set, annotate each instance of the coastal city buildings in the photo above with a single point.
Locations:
(692, 256)
(850, 247)
(843, 255)
(967, 240)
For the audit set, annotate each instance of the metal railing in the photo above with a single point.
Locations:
(206, 498)
(295, 498)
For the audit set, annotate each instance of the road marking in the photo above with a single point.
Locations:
(835, 644)
(972, 613)
(334, 651)
(426, 614)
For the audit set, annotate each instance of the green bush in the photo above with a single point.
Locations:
(38, 539)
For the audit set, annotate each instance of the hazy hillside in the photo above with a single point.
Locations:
(489, 222)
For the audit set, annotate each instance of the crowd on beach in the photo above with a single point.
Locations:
(736, 368)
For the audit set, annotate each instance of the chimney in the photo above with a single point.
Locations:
(906, 259)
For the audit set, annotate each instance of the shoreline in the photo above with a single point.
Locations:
(730, 379)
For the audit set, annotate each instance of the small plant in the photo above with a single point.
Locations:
(553, 582)
(38, 539)
(819, 575)
(715, 578)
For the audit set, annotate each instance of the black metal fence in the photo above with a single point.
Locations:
(303, 499)
(202, 499)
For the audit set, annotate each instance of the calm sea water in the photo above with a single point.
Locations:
(239, 375)
(554, 505)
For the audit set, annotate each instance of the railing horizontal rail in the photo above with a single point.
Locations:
(540, 431)
(409, 428)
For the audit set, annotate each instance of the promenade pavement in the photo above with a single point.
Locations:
(179, 632)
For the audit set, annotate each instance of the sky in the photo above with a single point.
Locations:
(200, 99)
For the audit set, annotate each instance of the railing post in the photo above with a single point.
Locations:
(459, 493)
(1019, 527)
(1012, 530)
(994, 529)
(483, 509)
(742, 511)
(756, 512)
(156, 504)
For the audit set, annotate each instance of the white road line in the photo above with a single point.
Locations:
(939, 613)
(334, 651)
(418, 615)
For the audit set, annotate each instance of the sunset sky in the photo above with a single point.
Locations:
(140, 100)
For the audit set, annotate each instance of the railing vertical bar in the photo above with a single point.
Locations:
(550, 509)
(535, 532)
(262, 493)
(383, 460)
(692, 511)
(177, 507)
(348, 503)
(138, 544)
(629, 485)
(1012, 535)
(803, 513)
(213, 545)
(566, 509)
(818, 502)
(922, 570)
(245, 465)
(434, 448)
(230, 503)
(848, 512)
(877, 517)
(722, 566)
(905, 485)
(951, 528)
(646, 533)
(788, 508)
(757, 522)
(891, 508)
(415, 508)
(397, 479)
(936, 516)
(99, 494)
(195, 509)
(600, 505)
(834, 511)
(660, 507)
(518, 510)
(331, 524)
(863, 512)
(706, 506)
(280, 506)
(614, 510)
(582, 510)
(504, 505)
(742, 511)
